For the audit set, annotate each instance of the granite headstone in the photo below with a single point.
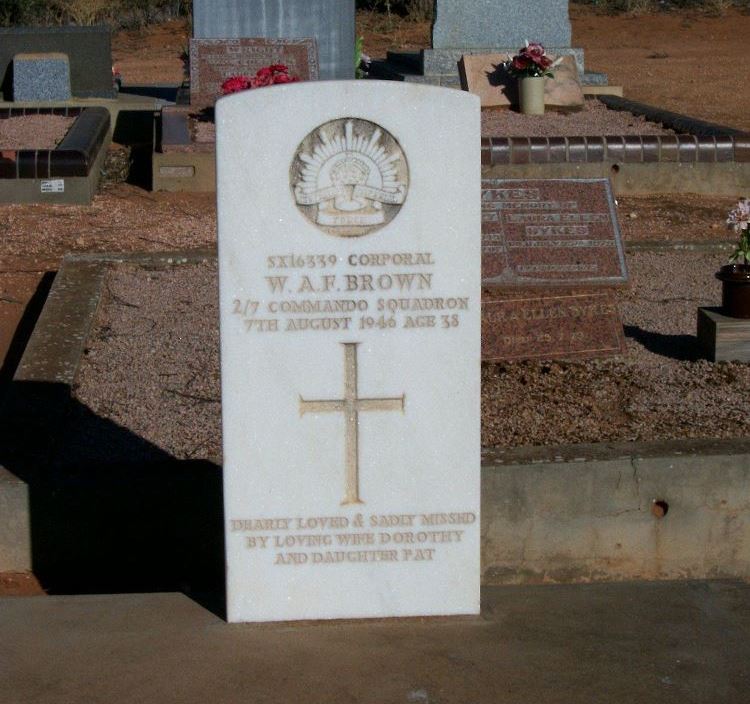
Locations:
(552, 259)
(550, 231)
(88, 49)
(500, 23)
(349, 286)
(212, 61)
(464, 27)
(41, 77)
(550, 323)
(329, 22)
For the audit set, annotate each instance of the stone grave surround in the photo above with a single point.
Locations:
(88, 50)
(70, 172)
(552, 258)
(329, 22)
(350, 342)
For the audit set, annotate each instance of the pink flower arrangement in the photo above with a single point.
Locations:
(739, 221)
(274, 74)
(530, 61)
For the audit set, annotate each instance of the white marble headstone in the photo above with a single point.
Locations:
(349, 248)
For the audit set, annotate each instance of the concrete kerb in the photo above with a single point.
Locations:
(670, 643)
(667, 510)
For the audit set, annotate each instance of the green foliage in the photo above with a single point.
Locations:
(358, 48)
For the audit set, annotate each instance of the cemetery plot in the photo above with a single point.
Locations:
(33, 131)
(52, 155)
(662, 389)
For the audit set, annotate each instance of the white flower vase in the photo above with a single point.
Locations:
(531, 95)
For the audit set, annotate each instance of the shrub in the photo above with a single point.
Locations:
(116, 13)
(417, 10)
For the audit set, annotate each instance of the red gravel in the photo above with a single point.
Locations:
(594, 119)
(153, 366)
(33, 131)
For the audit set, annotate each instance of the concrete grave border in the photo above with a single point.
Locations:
(74, 164)
(702, 158)
(604, 512)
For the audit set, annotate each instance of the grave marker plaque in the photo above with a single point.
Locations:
(551, 324)
(552, 256)
(350, 338)
(212, 61)
(485, 76)
(550, 231)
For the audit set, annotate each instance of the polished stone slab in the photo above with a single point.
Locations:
(550, 231)
(88, 50)
(41, 77)
(212, 61)
(485, 75)
(550, 323)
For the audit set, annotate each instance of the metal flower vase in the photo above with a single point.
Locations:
(735, 290)
(531, 95)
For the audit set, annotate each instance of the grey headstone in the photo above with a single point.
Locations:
(437, 62)
(484, 27)
(41, 77)
(330, 22)
(89, 52)
(500, 23)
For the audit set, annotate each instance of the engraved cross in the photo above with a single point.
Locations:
(351, 406)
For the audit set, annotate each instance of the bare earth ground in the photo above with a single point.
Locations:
(684, 62)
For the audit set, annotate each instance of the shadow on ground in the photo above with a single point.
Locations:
(110, 512)
(683, 348)
(24, 329)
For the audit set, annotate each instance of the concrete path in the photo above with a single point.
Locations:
(685, 642)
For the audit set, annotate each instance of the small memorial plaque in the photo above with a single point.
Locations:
(212, 61)
(551, 324)
(350, 342)
(550, 231)
(56, 185)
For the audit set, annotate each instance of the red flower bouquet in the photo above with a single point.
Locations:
(267, 76)
(530, 61)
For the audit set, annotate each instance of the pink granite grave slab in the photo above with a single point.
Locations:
(212, 61)
(484, 75)
(550, 231)
(563, 323)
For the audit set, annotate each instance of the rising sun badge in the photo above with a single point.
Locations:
(349, 177)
